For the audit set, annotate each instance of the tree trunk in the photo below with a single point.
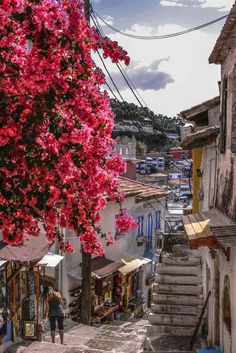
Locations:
(85, 314)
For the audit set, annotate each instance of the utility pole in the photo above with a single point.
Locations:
(85, 314)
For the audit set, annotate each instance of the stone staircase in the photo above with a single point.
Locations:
(177, 301)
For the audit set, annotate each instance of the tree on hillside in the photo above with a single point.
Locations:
(55, 124)
(130, 111)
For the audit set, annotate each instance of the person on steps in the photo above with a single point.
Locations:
(54, 311)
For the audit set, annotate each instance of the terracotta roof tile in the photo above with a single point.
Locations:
(193, 112)
(226, 40)
(201, 138)
(141, 191)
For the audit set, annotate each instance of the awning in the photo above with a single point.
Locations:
(211, 229)
(30, 252)
(101, 267)
(132, 263)
(2, 263)
(50, 260)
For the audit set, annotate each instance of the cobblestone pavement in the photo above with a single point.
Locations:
(117, 337)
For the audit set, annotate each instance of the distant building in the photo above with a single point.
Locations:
(178, 153)
(129, 125)
(152, 161)
(127, 149)
(175, 173)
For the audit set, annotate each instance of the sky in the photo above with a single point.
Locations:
(171, 75)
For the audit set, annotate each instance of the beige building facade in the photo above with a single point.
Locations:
(213, 229)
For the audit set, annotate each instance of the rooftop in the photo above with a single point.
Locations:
(226, 40)
(195, 112)
(142, 192)
(201, 137)
(31, 251)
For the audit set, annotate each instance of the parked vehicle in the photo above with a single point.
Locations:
(185, 197)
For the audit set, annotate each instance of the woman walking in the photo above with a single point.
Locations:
(54, 311)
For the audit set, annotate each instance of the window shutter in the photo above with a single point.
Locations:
(223, 120)
(233, 131)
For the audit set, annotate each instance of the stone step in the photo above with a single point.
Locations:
(175, 309)
(176, 299)
(170, 279)
(181, 261)
(178, 270)
(174, 330)
(110, 345)
(183, 250)
(177, 288)
(173, 319)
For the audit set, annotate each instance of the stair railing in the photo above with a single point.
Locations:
(193, 339)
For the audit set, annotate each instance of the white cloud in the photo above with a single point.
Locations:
(221, 5)
(171, 3)
(218, 4)
(107, 19)
(194, 79)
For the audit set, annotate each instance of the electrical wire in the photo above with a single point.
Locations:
(131, 85)
(134, 121)
(164, 36)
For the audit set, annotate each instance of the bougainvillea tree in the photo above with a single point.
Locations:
(55, 124)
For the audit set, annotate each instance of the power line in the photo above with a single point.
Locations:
(136, 123)
(130, 84)
(164, 36)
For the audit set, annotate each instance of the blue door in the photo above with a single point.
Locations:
(149, 229)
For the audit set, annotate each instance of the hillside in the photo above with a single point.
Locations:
(131, 120)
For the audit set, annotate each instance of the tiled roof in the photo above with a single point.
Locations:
(193, 112)
(226, 40)
(30, 252)
(175, 170)
(102, 267)
(201, 138)
(142, 192)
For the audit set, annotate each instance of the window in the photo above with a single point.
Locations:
(139, 232)
(223, 117)
(118, 235)
(226, 304)
(233, 133)
(149, 228)
(158, 219)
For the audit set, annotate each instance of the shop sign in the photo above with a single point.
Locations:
(31, 288)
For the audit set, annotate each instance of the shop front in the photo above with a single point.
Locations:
(105, 301)
(133, 275)
(21, 287)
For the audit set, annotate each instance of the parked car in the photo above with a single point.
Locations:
(185, 197)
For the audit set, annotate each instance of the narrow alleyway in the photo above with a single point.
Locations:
(117, 337)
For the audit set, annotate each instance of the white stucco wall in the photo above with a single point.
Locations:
(126, 244)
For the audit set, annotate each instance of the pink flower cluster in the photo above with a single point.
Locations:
(124, 222)
(66, 246)
(55, 123)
